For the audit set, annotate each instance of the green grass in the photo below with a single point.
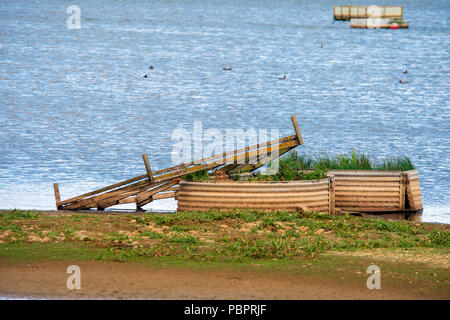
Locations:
(400, 163)
(16, 214)
(215, 234)
(297, 166)
(354, 161)
(198, 176)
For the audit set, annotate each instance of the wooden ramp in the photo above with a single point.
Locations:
(163, 184)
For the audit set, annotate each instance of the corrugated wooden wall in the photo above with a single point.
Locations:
(368, 191)
(413, 190)
(290, 196)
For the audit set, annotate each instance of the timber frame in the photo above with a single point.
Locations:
(162, 184)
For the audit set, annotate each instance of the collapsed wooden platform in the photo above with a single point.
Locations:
(162, 184)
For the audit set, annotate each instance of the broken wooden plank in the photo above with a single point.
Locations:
(147, 167)
(142, 196)
(164, 195)
(57, 196)
(262, 162)
(119, 184)
(297, 130)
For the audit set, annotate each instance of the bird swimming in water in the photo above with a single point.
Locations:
(401, 81)
(145, 76)
(283, 78)
(151, 67)
(227, 69)
(405, 72)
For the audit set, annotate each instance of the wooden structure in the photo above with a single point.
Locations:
(365, 12)
(413, 195)
(374, 23)
(162, 184)
(312, 195)
(376, 191)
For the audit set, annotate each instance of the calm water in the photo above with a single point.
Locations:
(76, 110)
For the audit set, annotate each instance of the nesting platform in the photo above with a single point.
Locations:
(365, 12)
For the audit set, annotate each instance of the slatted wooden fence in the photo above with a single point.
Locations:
(365, 12)
(376, 191)
(311, 195)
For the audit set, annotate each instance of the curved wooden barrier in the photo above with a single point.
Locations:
(376, 191)
(413, 190)
(313, 195)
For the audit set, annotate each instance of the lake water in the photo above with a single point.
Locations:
(75, 108)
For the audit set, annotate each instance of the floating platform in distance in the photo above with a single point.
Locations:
(365, 12)
(381, 23)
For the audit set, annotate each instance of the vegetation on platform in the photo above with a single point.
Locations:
(298, 166)
(352, 161)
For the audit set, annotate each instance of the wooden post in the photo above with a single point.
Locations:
(402, 191)
(332, 197)
(57, 196)
(297, 130)
(147, 167)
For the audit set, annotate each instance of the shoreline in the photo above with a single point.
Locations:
(416, 217)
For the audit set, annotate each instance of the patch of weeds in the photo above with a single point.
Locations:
(181, 239)
(201, 175)
(289, 233)
(394, 226)
(69, 234)
(8, 216)
(180, 228)
(76, 218)
(152, 235)
(313, 246)
(268, 223)
(249, 215)
(115, 236)
(400, 163)
(440, 238)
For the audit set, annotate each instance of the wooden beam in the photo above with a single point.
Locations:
(332, 197)
(262, 162)
(57, 196)
(297, 130)
(147, 167)
(139, 186)
(119, 184)
(232, 159)
(165, 195)
(225, 154)
(142, 196)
